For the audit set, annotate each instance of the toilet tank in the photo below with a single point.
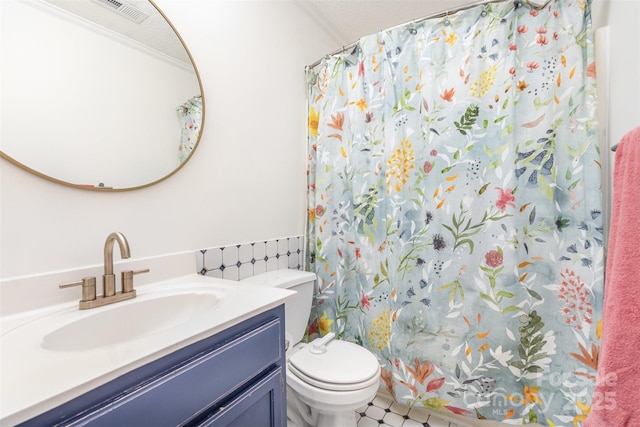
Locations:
(296, 309)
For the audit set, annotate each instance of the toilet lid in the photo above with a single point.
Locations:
(344, 366)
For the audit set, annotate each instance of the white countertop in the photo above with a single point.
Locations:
(35, 379)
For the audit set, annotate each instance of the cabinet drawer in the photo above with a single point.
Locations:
(205, 380)
(256, 407)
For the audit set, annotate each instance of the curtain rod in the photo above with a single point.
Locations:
(416, 21)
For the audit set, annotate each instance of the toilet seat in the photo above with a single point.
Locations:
(344, 366)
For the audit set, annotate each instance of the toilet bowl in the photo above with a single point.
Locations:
(327, 379)
(331, 384)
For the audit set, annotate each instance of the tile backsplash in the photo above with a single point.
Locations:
(236, 262)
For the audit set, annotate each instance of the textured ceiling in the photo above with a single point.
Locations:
(348, 20)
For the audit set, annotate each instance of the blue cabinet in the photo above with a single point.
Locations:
(234, 378)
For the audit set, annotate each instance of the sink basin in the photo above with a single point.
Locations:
(123, 322)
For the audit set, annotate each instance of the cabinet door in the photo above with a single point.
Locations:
(259, 406)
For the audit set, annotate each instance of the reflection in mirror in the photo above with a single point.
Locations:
(96, 94)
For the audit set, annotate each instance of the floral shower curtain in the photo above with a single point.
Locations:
(190, 117)
(454, 209)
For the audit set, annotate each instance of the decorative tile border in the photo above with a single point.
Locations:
(236, 262)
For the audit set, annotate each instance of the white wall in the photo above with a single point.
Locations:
(246, 181)
(622, 18)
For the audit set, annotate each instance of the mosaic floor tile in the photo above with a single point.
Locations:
(385, 412)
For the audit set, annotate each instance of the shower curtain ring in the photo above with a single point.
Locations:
(412, 28)
(446, 18)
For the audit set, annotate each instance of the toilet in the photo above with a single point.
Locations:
(327, 379)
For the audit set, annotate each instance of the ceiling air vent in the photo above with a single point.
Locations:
(124, 9)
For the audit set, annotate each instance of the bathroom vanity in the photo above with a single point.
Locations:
(235, 377)
(230, 373)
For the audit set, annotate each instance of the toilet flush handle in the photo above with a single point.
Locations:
(319, 345)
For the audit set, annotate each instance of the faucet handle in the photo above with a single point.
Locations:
(88, 288)
(127, 279)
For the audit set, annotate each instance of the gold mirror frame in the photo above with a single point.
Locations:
(137, 187)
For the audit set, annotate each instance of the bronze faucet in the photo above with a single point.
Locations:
(108, 278)
(109, 295)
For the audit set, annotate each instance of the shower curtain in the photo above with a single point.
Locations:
(190, 117)
(454, 214)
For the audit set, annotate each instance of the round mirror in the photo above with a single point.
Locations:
(97, 94)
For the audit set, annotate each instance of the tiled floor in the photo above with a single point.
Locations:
(384, 412)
